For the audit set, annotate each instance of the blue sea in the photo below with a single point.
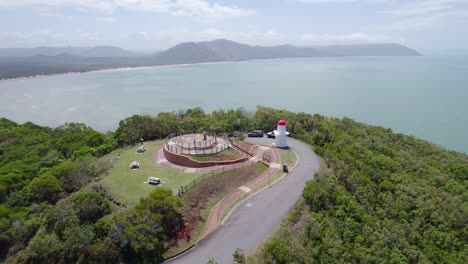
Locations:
(421, 96)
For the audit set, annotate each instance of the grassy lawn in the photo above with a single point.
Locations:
(227, 154)
(203, 197)
(288, 157)
(128, 185)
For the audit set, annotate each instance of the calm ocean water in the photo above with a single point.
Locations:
(422, 96)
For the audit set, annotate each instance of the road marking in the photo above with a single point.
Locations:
(249, 204)
(245, 189)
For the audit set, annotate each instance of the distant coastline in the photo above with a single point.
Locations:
(60, 61)
(118, 69)
(108, 70)
(40, 76)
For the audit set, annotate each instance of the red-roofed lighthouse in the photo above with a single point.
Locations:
(281, 139)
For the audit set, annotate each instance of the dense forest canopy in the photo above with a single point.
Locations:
(381, 196)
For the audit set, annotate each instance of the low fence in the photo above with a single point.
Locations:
(210, 138)
(266, 157)
(204, 177)
(202, 151)
(244, 146)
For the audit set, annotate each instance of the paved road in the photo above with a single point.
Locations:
(257, 217)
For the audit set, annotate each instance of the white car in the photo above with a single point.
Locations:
(273, 133)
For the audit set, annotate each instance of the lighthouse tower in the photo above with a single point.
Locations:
(280, 133)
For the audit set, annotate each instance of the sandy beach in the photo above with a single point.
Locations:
(109, 70)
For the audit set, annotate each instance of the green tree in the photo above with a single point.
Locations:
(169, 123)
(129, 131)
(59, 218)
(90, 206)
(239, 257)
(142, 232)
(76, 243)
(43, 248)
(44, 188)
(276, 251)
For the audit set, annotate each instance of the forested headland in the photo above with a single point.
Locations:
(380, 197)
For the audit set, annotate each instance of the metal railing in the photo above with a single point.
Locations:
(211, 139)
(242, 145)
(203, 151)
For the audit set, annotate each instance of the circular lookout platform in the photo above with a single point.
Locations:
(180, 146)
(192, 143)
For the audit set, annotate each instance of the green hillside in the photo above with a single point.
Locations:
(381, 197)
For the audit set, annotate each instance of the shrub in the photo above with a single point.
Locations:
(90, 206)
(44, 188)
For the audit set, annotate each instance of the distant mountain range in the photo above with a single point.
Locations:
(227, 50)
(18, 62)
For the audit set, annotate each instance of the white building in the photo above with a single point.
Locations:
(281, 135)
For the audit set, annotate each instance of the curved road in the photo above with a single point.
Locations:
(259, 215)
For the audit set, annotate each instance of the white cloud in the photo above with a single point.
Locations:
(90, 37)
(426, 14)
(324, 1)
(205, 9)
(412, 14)
(197, 8)
(48, 38)
(158, 6)
(424, 7)
(427, 22)
(353, 38)
(106, 19)
(144, 35)
(90, 4)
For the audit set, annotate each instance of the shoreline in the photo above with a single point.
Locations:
(109, 70)
(155, 66)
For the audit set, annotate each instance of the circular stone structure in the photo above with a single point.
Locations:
(179, 147)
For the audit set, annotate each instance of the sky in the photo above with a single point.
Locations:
(425, 25)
